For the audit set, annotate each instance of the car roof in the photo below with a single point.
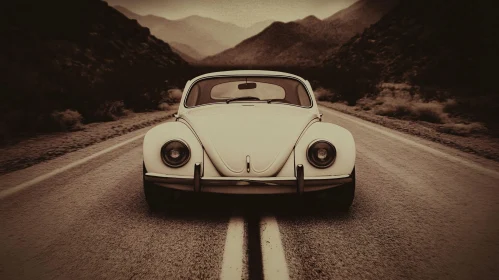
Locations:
(248, 73)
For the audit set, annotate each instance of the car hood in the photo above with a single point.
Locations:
(266, 133)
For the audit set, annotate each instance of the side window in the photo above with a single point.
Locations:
(192, 98)
(303, 96)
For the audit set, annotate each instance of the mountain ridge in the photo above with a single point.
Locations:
(205, 35)
(314, 39)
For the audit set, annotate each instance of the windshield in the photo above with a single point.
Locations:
(248, 89)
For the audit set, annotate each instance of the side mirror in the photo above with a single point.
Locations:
(320, 117)
(176, 116)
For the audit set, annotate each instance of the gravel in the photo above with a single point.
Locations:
(44, 147)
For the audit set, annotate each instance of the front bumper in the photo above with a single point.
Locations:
(248, 185)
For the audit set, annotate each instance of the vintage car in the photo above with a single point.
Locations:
(249, 132)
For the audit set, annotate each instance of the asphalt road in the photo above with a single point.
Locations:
(422, 211)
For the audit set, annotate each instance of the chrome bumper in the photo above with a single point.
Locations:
(248, 185)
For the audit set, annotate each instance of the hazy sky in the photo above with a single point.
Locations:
(240, 12)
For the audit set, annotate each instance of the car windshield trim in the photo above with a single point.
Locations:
(309, 94)
(243, 98)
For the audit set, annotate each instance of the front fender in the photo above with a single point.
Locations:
(158, 136)
(341, 138)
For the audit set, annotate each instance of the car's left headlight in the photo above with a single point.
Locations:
(321, 154)
(175, 153)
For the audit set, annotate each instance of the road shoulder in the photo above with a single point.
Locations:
(486, 147)
(45, 147)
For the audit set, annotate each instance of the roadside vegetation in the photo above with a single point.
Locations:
(402, 101)
(76, 135)
(19, 124)
(168, 98)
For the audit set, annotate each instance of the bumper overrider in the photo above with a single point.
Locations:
(247, 185)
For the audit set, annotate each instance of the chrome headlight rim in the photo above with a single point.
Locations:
(312, 162)
(163, 153)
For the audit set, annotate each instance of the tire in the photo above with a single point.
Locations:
(341, 198)
(157, 197)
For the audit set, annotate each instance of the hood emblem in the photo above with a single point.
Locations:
(248, 164)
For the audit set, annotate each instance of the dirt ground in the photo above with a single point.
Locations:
(481, 145)
(48, 146)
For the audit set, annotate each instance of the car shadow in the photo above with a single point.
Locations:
(217, 206)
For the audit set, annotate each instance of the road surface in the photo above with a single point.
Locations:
(422, 211)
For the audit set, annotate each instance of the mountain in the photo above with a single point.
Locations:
(179, 31)
(303, 42)
(204, 35)
(80, 55)
(279, 44)
(257, 28)
(186, 52)
(371, 12)
(448, 49)
(227, 34)
(309, 21)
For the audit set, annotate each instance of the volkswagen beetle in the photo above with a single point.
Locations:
(249, 132)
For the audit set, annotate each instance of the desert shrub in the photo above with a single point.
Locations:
(429, 112)
(164, 106)
(170, 97)
(175, 95)
(399, 103)
(398, 94)
(395, 109)
(396, 86)
(110, 111)
(67, 120)
(402, 105)
(392, 103)
(462, 129)
(322, 94)
(365, 103)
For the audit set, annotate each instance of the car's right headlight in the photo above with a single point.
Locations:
(175, 153)
(321, 154)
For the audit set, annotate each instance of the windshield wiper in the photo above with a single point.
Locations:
(242, 98)
(272, 100)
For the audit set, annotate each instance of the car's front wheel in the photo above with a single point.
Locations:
(157, 197)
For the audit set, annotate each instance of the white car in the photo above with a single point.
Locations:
(249, 132)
